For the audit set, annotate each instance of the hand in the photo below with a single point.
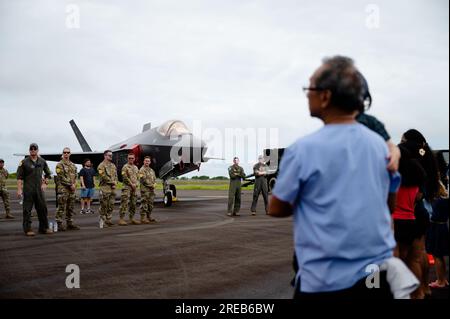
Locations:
(19, 193)
(44, 187)
(113, 186)
(72, 188)
(394, 158)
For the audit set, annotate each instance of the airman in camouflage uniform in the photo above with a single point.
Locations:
(66, 173)
(4, 194)
(147, 178)
(236, 173)
(107, 173)
(260, 170)
(130, 177)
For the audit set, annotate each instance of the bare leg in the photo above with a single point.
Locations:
(441, 272)
(415, 264)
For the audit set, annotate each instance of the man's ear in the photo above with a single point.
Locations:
(325, 99)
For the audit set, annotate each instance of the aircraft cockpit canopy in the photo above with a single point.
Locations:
(173, 128)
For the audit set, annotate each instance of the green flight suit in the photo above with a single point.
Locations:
(236, 174)
(260, 186)
(30, 172)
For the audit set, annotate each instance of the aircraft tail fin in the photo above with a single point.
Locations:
(84, 145)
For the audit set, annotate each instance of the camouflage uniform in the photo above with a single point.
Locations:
(107, 173)
(147, 178)
(66, 177)
(129, 195)
(30, 172)
(260, 185)
(4, 194)
(236, 173)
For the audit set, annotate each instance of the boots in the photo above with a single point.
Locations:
(134, 221)
(109, 223)
(144, 220)
(9, 216)
(122, 222)
(61, 226)
(72, 226)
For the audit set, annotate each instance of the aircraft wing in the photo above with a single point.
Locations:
(77, 158)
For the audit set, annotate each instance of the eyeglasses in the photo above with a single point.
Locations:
(307, 89)
(66, 152)
(109, 155)
(33, 149)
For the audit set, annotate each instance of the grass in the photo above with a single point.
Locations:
(180, 184)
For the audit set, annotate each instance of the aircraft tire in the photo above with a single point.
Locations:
(167, 199)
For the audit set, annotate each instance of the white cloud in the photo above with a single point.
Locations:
(226, 63)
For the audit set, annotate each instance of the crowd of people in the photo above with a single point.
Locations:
(33, 176)
(346, 184)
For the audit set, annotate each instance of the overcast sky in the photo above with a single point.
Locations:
(228, 64)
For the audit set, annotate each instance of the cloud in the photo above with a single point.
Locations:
(233, 64)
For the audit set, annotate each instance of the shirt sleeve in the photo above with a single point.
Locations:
(47, 172)
(287, 186)
(20, 171)
(395, 182)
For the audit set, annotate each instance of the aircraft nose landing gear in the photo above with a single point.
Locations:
(170, 194)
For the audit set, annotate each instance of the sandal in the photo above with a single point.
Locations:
(435, 284)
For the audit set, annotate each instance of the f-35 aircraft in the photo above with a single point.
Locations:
(172, 147)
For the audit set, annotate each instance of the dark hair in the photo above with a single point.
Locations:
(85, 161)
(235, 158)
(343, 79)
(421, 151)
(148, 157)
(106, 152)
(413, 174)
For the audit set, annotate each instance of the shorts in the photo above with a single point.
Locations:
(87, 193)
(405, 231)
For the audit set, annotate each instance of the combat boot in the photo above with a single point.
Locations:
(134, 221)
(29, 233)
(144, 220)
(61, 227)
(9, 216)
(72, 226)
(122, 222)
(109, 223)
(151, 220)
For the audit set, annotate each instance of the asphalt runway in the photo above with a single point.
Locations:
(194, 251)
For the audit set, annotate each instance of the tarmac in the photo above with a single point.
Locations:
(194, 251)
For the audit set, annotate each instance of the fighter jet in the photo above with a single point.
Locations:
(173, 149)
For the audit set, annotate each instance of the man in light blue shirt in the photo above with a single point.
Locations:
(336, 184)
